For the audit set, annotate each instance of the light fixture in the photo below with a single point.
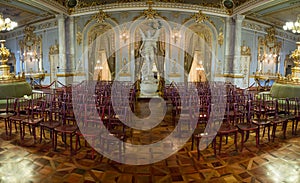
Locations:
(293, 26)
(176, 35)
(7, 24)
(124, 36)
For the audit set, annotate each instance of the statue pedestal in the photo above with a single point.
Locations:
(4, 72)
(148, 89)
(296, 72)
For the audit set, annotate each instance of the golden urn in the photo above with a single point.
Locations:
(296, 58)
(4, 68)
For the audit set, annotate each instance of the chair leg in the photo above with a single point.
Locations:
(198, 150)
(34, 133)
(71, 144)
(77, 142)
(215, 146)
(274, 131)
(257, 137)
(6, 125)
(220, 146)
(269, 132)
(242, 141)
(192, 147)
(54, 140)
(41, 132)
(284, 124)
(293, 124)
(247, 136)
(235, 141)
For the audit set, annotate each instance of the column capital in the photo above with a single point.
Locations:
(239, 18)
(60, 16)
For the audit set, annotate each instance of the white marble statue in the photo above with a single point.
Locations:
(148, 51)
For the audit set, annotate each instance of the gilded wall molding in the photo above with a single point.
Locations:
(100, 16)
(220, 37)
(245, 50)
(199, 18)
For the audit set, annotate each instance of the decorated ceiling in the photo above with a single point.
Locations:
(272, 12)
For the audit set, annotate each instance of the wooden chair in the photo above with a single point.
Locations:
(34, 118)
(21, 113)
(68, 126)
(228, 126)
(53, 120)
(248, 126)
(7, 113)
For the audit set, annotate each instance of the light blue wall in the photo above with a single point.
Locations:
(49, 32)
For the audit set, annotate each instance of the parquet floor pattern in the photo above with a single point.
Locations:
(277, 161)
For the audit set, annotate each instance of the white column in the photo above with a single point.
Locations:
(237, 44)
(40, 67)
(61, 42)
(72, 44)
(228, 46)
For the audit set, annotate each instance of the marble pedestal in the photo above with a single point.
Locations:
(149, 89)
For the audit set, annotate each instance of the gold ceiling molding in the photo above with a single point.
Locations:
(141, 5)
(83, 4)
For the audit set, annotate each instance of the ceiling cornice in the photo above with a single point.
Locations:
(192, 8)
(249, 5)
(47, 4)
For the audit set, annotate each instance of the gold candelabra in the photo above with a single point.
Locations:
(296, 58)
(5, 75)
(4, 68)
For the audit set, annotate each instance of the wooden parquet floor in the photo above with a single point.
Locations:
(277, 161)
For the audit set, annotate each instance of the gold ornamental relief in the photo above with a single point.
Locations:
(221, 37)
(4, 52)
(100, 16)
(199, 17)
(245, 50)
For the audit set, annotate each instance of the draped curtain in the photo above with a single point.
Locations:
(101, 38)
(160, 63)
(199, 38)
(138, 61)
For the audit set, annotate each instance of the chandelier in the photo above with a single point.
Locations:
(293, 26)
(7, 24)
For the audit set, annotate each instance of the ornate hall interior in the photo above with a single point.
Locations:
(149, 91)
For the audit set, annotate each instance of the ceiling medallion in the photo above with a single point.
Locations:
(150, 13)
(100, 16)
(228, 4)
(199, 17)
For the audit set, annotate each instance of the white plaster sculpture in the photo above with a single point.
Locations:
(148, 50)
